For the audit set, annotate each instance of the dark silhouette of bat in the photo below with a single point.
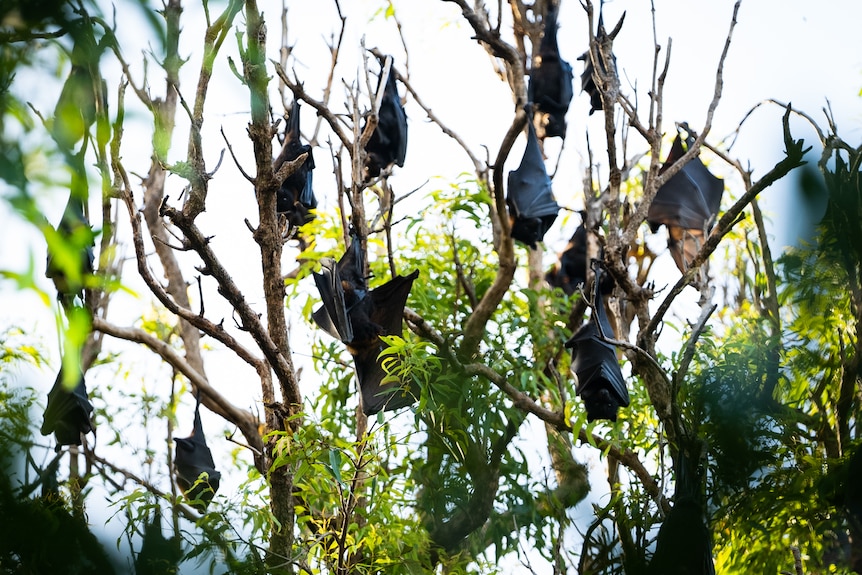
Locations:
(296, 196)
(68, 263)
(67, 414)
(196, 474)
(684, 544)
(388, 142)
(158, 554)
(550, 88)
(532, 207)
(358, 317)
(600, 382)
(588, 83)
(571, 270)
(687, 203)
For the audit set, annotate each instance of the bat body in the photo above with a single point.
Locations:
(550, 88)
(600, 382)
(687, 204)
(75, 255)
(158, 555)
(532, 207)
(296, 196)
(67, 414)
(388, 142)
(194, 460)
(358, 317)
(684, 543)
(571, 271)
(588, 83)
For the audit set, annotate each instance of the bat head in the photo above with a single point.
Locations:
(600, 404)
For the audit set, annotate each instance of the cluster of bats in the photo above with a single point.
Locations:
(356, 315)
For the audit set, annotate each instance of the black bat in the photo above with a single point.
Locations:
(600, 382)
(158, 555)
(388, 142)
(358, 317)
(588, 83)
(67, 414)
(532, 207)
(296, 196)
(550, 88)
(853, 494)
(194, 462)
(684, 543)
(571, 270)
(687, 203)
(75, 231)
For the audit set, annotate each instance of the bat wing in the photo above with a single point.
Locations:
(690, 199)
(531, 202)
(67, 414)
(193, 458)
(332, 316)
(387, 308)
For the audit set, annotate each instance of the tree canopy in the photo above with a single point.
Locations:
(384, 368)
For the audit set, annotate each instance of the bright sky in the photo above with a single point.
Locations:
(799, 51)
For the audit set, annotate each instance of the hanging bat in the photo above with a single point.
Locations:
(532, 207)
(388, 142)
(600, 382)
(196, 474)
(550, 88)
(687, 203)
(588, 83)
(358, 317)
(296, 196)
(571, 270)
(684, 544)
(72, 259)
(158, 555)
(67, 414)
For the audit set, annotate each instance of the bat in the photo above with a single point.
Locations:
(75, 255)
(550, 88)
(532, 207)
(684, 544)
(358, 317)
(388, 142)
(296, 196)
(67, 414)
(600, 382)
(571, 270)
(687, 203)
(196, 474)
(158, 555)
(588, 83)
